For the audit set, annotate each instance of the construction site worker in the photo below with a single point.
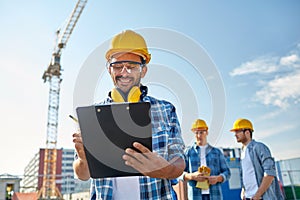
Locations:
(258, 166)
(127, 60)
(202, 154)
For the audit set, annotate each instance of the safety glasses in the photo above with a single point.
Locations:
(240, 131)
(130, 66)
(200, 132)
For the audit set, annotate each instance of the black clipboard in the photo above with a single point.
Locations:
(107, 130)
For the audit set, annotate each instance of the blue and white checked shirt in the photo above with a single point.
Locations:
(166, 141)
(215, 160)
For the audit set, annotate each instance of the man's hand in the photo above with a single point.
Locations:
(77, 140)
(255, 198)
(195, 176)
(80, 165)
(151, 164)
(212, 180)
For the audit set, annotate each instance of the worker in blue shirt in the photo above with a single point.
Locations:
(258, 166)
(203, 154)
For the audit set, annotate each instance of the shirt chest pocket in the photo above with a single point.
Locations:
(214, 163)
(160, 143)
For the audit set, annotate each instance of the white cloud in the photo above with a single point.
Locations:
(273, 131)
(290, 60)
(288, 152)
(281, 86)
(261, 65)
(269, 115)
(280, 91)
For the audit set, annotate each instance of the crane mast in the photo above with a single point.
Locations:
(49, 189)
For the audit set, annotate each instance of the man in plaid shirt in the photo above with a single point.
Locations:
(126, 63)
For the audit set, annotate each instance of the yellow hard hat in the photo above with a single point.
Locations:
(199, 124)
(242, 124)
(128, 41)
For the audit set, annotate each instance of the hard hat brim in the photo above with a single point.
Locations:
(199, 129)
(237, 129)
(112, 52)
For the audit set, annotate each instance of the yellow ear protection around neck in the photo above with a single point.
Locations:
(134, 95)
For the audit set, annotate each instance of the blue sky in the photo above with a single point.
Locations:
(253, 45)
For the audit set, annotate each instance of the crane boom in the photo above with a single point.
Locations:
(49, 189)
(65, 35)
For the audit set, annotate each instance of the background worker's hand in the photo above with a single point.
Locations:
(243, 194)
(197, 176)
(212, 180)
(149, 163)
(77, 140)
(255, 197)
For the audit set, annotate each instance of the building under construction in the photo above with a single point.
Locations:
(65, 180)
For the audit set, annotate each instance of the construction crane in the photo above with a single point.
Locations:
(49, 189)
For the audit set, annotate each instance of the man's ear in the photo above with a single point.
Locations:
(248, 133)
(109, 70)
(144, 71)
